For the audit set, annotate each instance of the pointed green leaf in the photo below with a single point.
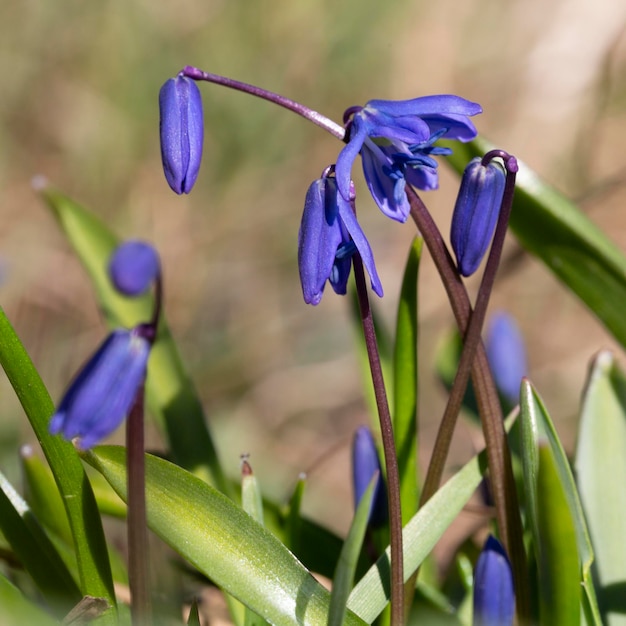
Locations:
(601, 476)
(556, 231)
(537, 427)
(405, 384)
(349, 557)
(559, 569)
(80, 504)
(223, 541)
(35, 550)
(171, 394)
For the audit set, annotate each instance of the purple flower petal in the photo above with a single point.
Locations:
(133, 266)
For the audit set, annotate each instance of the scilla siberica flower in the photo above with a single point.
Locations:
(103, 392)
(506, 353)
(476, 213)
(329, 235)
(494, 595)
(365, 463)
(395, 140)
(182, 132)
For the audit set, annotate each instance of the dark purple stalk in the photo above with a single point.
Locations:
(313, 116)
(137, 523)
(138, 572)
(498, 454)
(391, 461)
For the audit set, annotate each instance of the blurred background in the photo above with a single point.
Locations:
(279, 379)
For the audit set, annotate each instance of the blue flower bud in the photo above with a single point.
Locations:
(494, 595)
(365, 463)
(476, 213)
(182, 132)
(506, 354)
(133, 266)
(103, 392)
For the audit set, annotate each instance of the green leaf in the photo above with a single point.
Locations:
(171, 395)
(72, 483)
(405, 384)
(559, 569)
(601, 475)
(537, 430)
(349, 557)
(252, 504)
(35, 550)
(16, 610)
(222, 541)
(420, 535)
(552, 228)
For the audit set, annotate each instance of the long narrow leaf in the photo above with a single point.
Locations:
(16, 610)
(537, 427)
(349, 557)
(35, 550)
(405, 384)
(601, 476)
(69, 474)
(223, 542)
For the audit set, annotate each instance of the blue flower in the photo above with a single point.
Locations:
(329, 235)
(476, 213)
(133, 266)
(506, 354)
(103, 392)
(494, 595)
(182, 132)
(395, 140)
(365, 463)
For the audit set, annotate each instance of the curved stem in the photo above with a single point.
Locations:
(498, 454)
(391, 461)
(313, 116)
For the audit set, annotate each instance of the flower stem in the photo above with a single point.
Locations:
(138, 573)
(391, 461)
(313, 116)
(498, 454)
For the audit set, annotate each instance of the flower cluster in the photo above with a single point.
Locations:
(396, 141)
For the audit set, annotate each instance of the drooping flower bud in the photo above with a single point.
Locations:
(103, 392)
(494, 595)
(506, 354)
(365, 463)
(133, 266)
(329, 236)
(182, 132)
(476, 213)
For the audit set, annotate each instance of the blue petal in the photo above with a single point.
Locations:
(318, 238)
(103, 392)
(506, 353)
(343, 167)
(456, 127)
(182, 131)
(494, 595)
(408, 129)
(476, 213)
(133, 266)
(366, 463)
(360, 240)
(426, 105)
(385, 181)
